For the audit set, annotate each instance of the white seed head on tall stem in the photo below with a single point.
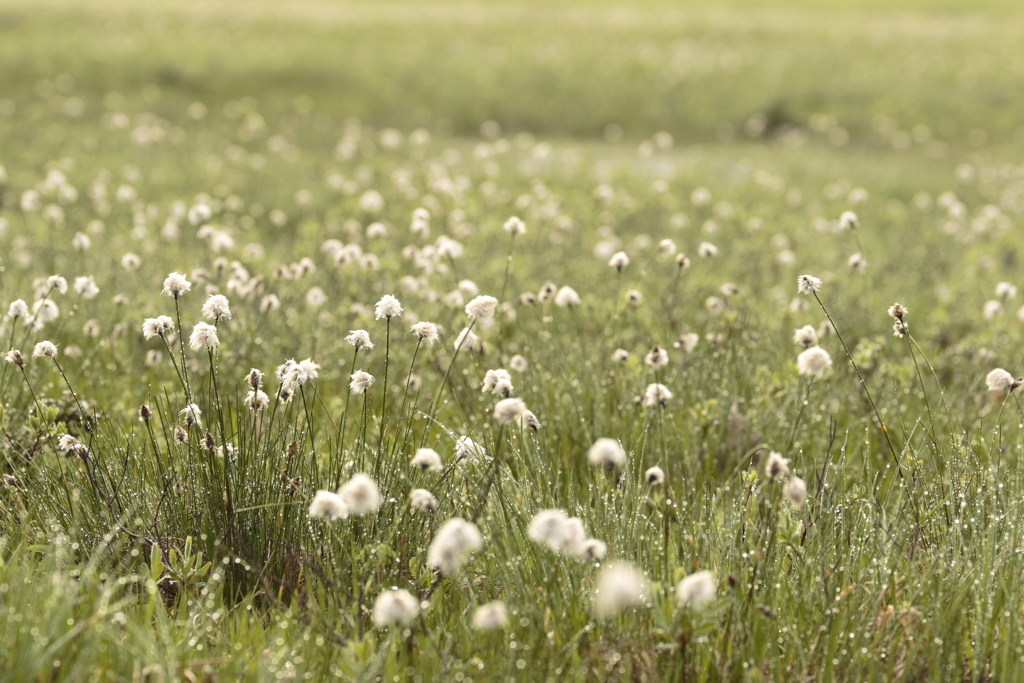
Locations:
(217, 308)
(204, 336)
(388, 307)
(808, 284)
(359, 339)
(45, 349)
(360, 382)
(175, 285)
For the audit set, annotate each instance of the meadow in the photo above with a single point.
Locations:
(389, 341)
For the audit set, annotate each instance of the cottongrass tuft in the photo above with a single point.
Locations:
(328, 505)
(848, 220)
(558, 531)
(619, 260)
(395, 608)
(514, 226)
(157, 327)
(204, 336)
(468, 340)
(426, 331)
(777, 466)
(657, 395)
(361, 495)
(696, 590)
(361, 381)
(18, 309)
(805, 336)
(618, 587)
(593, 549)
(427, 459)
(518, 363)
(388, 307)
(620, 355)
(606, 452)
(490, 617)
(217, 308)
(175, 285)
(898, 311)
(256, 400)
(808, 284)
(423, 499)
(527, 420)
(654, 476)
(481, 308)
(452, 545)
(657, 357)
(795, 491)
(567, 297)
(998, 380)
(191, 415)
(359, 339)
(45, 349)
(813, 362)
(498, 382)
(467, 449)
(509, 409)
(14, 357)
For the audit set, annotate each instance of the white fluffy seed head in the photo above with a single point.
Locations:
(805, 336)
(808, 284)
(490, 617)
(361, 495)
(191, 415)
(657, 357)
(795, 491)
(777, 466)
(422, 499)
(426, 331)
(427, 459)
(509, 409)
(328, 505)
(467, 449)
(618, 587)
(158, 326)
(618, 261)
(204, 336)
(452, 545)
(359, 339)
(514, 226)
(395, 608)
(45, 349)
(696, 590)
(998, 380)
(606, 452)
(481, 307)
(388, 307)
(654, 476)
(18, 309)
(175, 285)
(814, 361)
(657, 395)
(567, 296)
(217, 308)
(361, 381)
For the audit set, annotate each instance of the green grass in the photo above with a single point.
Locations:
(156, 558)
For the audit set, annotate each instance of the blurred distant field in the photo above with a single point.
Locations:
(697, 70)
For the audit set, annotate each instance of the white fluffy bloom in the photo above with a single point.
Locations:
(175, 285)
(654, 476)
(497, 382)
(86, 287)
(656, 395)
(395, 608)
(796, 492)
(518, 363)
(315, 297)
(857, 263)
(427, 459)
(45, 349)
(808, 284)
(490, 617)
(618, 587)
(191, 415)
(361, 495)
(514, 226)
(527, 420)
(388, 307)
(509, 409)
(204, 336)
(657, 357)
(422, 499)
(620, 355)
(1004, 290)
(359, 339)
(696, 590)
(467, 339)
(777, 466)
(558, 531)
(257, 399)
(158, 326)
(482, 307)
(57, 282)
(706, 250)
(425, 330)
(216, 307)
(452, 545)
(814, 361)
(607, 452)
(467, 449)
(998, 380)
(328, 505)
(18, 309)
(361, 381)
(991, 309)
(805, 336)
(567, 296)
(619, 260)
(848, 220)
(15, 358)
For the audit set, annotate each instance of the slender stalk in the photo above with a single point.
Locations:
(444, 382)
(508, 263)
(181, 348)
(405, 394)
(384, 395)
